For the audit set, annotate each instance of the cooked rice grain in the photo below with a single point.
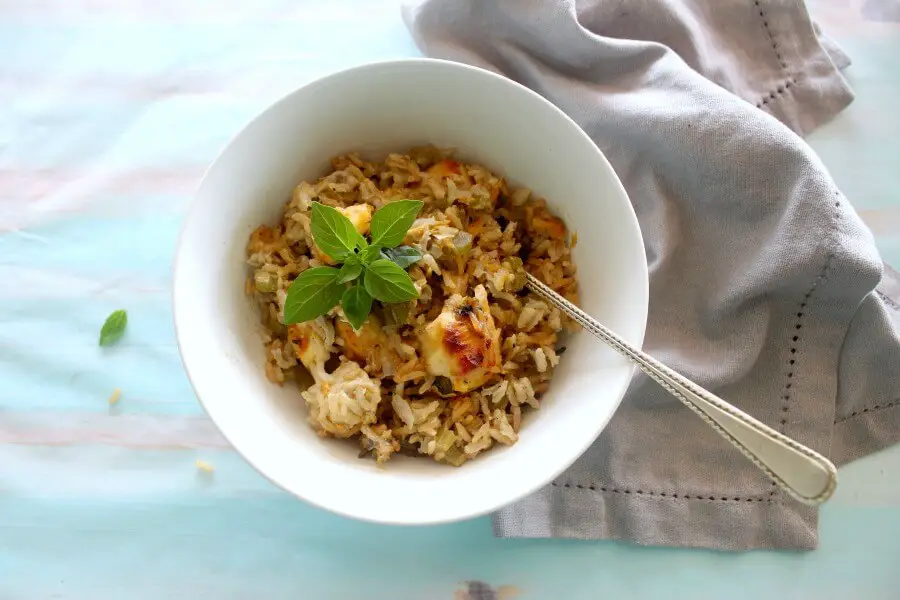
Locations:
(477, 235)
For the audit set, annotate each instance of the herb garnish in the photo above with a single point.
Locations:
(366, 270)
(113, 328)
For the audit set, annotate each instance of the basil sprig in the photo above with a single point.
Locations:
(368, 270)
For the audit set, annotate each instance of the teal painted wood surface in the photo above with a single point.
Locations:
(111, 111)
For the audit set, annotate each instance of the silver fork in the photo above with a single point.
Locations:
(802, 472)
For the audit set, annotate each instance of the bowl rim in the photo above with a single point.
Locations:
(192, 212)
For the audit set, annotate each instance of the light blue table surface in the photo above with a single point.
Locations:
(109, 112)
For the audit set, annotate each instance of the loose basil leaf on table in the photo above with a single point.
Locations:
(113, 328)
(391, 222)
(333, 232)
(387, 282)
(312, 294)
(402, 256)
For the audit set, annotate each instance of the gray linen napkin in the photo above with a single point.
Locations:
(762, 276)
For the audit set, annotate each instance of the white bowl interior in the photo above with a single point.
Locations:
(377, 109)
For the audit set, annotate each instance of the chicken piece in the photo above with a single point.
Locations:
(342, 403)
(444, 168)
(265, 239)
(545, 224)
(358, 344)
(361, 217)
(369, 345)
(463, 343)
(313, 342)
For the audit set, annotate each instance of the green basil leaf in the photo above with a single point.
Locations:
(350, 270)
(113, 328)
(312, 294)
(402, 256)
(361, 244)
(357, 304)
(333, 233)
(391, 222)
(387, 282)
(370, 254)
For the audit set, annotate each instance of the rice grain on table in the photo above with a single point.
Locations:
(478, 236)
(114, 397)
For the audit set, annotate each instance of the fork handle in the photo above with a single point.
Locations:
(801, 472)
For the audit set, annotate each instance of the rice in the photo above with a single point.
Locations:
(540, 359)
(384, 385)
(114, 397)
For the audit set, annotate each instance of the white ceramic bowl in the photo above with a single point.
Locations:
(376, 109)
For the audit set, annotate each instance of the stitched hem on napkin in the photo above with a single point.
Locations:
(872, 429)
(873, 422)
(678, 519)
(672, 519)
(760, 517)
(809, 76)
